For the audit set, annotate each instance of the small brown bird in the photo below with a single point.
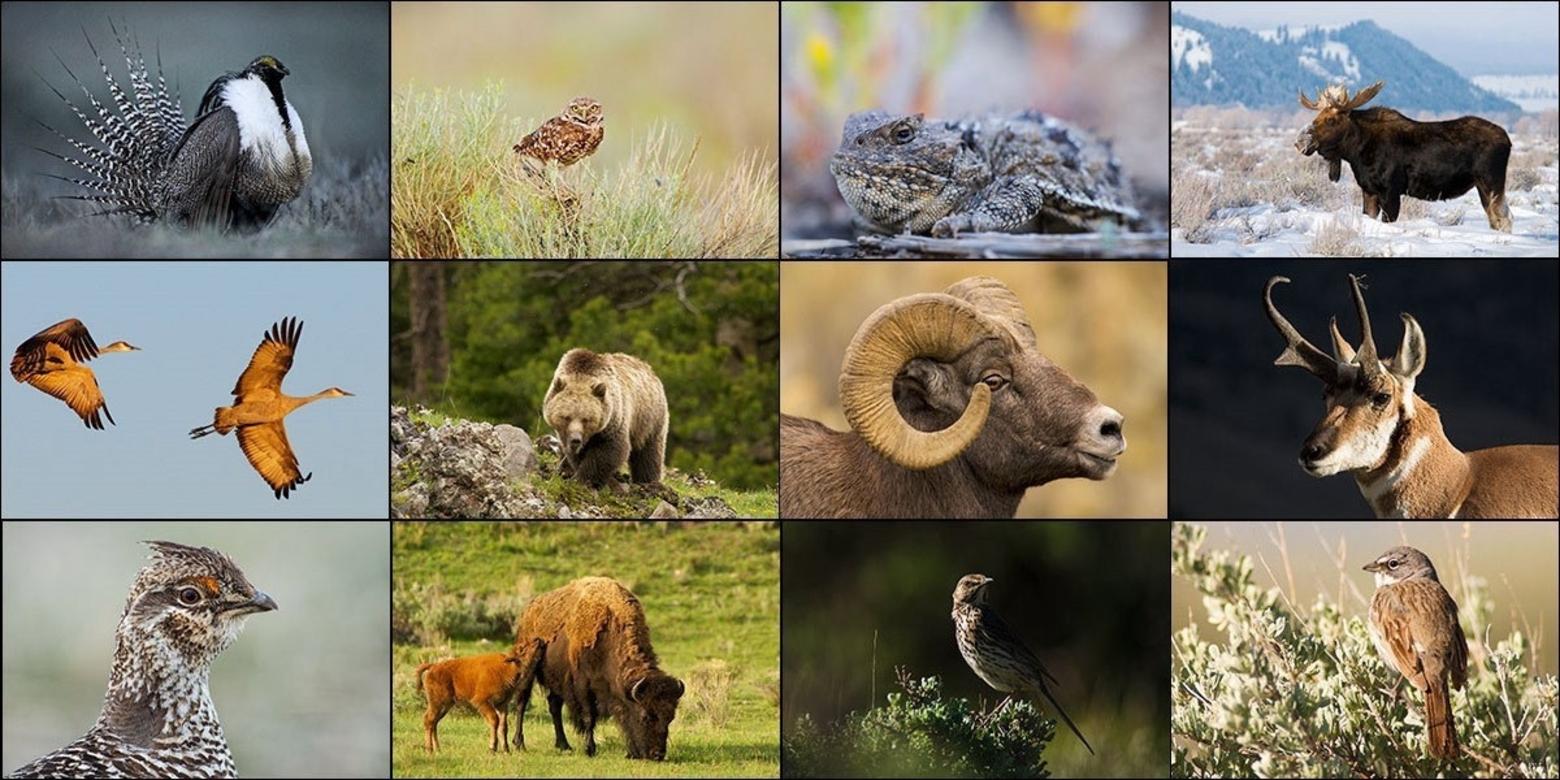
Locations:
(54, 361)
(1413, 621)
(995, 653)
(568, 138)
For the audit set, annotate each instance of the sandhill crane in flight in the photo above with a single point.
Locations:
(53, 361)
(260, 406)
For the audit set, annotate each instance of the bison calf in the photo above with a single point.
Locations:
(596, 658)
(487, 681)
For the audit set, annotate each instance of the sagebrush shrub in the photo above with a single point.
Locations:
(921, 734)
(1301, 691)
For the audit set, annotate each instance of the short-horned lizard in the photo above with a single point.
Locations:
(1021, 173)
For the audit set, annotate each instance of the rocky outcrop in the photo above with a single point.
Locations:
(463, 469)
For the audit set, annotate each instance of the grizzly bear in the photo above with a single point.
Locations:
(607, 409)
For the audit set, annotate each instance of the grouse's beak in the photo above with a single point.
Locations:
(260, 603)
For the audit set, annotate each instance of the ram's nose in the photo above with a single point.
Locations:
(1105, 424)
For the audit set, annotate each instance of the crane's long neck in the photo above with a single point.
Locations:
(293, 402)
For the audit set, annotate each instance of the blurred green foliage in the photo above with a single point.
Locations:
(921, 734)
(709, 329)
(1296, 691)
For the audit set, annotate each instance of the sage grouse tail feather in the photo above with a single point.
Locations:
(235, 164)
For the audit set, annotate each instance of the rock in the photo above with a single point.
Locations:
(518, 459)
(564, 513)
(664, 511)
(462, 469)
(709, 508)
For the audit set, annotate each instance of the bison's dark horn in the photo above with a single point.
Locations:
(633, 690)
(680, 687)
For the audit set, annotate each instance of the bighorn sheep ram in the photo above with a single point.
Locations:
(954, 413)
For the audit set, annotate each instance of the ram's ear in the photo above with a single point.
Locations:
(924, 384)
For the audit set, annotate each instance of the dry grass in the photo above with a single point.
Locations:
(458, 192)
(1337, 238)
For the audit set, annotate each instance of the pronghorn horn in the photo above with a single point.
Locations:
(1298, 351)
(1366, 357)
(1341, 348)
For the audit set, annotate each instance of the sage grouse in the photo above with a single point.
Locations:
(242, 157)
(186, 606)
(568, 138)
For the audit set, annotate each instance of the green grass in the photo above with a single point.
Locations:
(711, 595)
(459, 191)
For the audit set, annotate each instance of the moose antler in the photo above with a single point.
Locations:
(1362, 97)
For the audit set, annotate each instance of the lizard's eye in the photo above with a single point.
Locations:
(903, 134)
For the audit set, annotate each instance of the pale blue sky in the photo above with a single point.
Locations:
(1473, 38)
(197, 324)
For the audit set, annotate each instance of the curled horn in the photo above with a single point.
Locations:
(1297, 351)
(934, 325)
(1366, 357)
(633, 691)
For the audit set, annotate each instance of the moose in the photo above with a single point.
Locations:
(1392, 155)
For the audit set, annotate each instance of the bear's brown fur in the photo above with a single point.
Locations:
(607, 409)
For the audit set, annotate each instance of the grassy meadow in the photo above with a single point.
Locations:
(460, 191)
(687, 167)
(711, 594)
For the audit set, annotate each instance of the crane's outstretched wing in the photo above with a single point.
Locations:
(70, 338)
(78, 388)
(271, 360)
(268, 451)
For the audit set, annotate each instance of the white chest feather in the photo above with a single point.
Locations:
(261, 131)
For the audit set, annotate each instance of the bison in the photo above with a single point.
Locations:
(1392, 155)
(954, 412)
(597, 659)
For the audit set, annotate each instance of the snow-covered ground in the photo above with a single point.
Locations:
(1532, 93)
(1249, 193)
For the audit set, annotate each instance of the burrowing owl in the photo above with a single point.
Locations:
(568, 138)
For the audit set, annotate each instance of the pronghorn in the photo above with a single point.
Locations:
(1378, 429)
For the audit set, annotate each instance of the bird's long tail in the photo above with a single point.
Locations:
(1439, 728)
(1063, 713)
(204, 430)
(121, 165)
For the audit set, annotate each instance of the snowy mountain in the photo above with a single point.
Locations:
(1532, 93)
(1213, 64)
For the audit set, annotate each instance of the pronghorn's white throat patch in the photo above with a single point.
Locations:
(1398, 473)
(260, 128)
